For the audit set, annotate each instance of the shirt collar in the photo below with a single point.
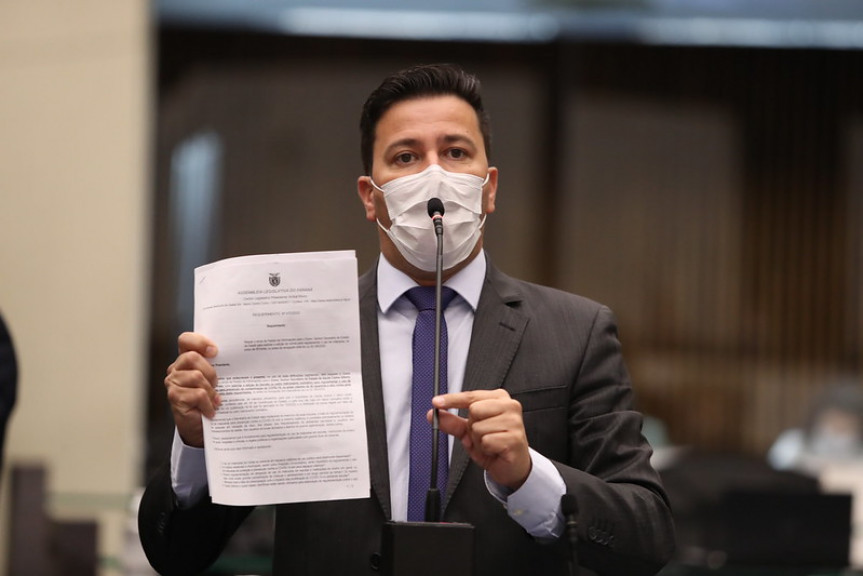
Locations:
(393, 283)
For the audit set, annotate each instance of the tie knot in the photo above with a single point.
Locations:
(423, 297)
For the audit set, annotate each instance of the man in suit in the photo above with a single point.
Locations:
(543, 399)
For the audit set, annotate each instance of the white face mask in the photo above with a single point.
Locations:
(412, 230)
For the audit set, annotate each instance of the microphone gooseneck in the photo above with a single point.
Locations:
(436, 211)
(417, 547)
(569, 508)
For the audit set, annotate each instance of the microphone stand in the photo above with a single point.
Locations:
(432, 511)
(418, 548)
(569, 508)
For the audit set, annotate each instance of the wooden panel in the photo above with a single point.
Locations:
(655, 232)
(710, 207)
(711, 197)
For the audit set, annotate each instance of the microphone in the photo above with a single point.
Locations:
(432, 512)
(436, 211)
(569, 507)
(415, 548)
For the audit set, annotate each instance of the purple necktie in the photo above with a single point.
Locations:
(423, 297)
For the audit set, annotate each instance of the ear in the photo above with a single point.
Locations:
(489, 194)
(366, 193)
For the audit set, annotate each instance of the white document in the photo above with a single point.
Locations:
(291, 427)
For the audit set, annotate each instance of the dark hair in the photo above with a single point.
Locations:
(417, 82)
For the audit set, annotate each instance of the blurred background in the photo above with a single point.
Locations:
(695, 165)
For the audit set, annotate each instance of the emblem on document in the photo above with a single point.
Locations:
(275, 280)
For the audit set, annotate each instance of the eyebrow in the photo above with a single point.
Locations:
(414, 142)
(402, 143)
(456, 138)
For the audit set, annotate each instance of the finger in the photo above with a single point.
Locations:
(495, 415)
(187, 402)
(204, 378)
(490, 438)
(505, 444)
(193, 362)
(194, 342)
(502, 424)
(188, 405)
(492, 409)
(465, 399)
(451, 424)
(178, 382)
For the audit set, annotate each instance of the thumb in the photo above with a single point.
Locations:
(450, 423)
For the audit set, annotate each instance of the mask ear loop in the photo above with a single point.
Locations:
(379, 189)
(382, 191)
(481, 186)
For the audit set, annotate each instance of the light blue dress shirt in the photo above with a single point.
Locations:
(535, 506)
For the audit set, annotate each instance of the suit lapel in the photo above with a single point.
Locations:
(373, 391)
(498, 328)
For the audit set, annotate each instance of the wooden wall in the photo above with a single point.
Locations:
(716, 205)
(711, 197)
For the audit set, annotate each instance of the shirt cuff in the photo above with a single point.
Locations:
(536, 504)
(188, 472)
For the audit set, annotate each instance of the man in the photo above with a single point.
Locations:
(537, 376)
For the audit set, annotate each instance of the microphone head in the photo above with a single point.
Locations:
(435, 206)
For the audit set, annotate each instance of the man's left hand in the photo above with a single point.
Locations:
(493, 433)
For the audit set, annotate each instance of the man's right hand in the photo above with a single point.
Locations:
(191, 385)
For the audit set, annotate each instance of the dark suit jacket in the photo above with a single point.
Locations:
(559, 355)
